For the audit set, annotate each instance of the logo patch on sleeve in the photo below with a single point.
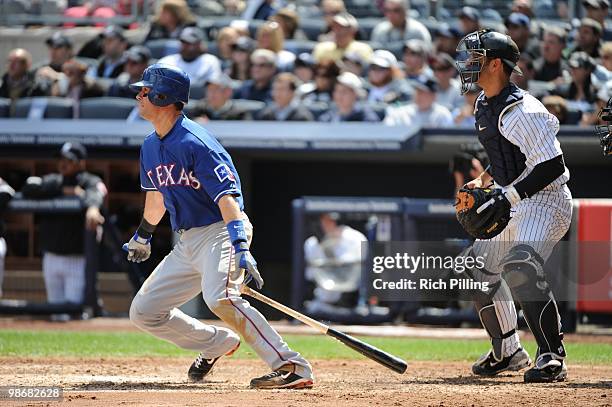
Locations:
(223, 172)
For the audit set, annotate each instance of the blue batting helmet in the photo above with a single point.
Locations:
(167, 84)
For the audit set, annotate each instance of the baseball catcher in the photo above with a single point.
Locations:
(518, 209)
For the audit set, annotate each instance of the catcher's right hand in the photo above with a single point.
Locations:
(482, 212)
(138, 248)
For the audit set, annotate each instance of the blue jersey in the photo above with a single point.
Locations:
(192, 170)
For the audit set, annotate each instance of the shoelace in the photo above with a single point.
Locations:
(201, 359)
(272, 375)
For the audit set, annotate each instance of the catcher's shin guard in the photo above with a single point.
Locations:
(523, 270)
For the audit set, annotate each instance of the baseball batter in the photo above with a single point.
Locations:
(519, 136)
(185, 171)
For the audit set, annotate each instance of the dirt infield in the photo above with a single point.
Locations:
(162, 382)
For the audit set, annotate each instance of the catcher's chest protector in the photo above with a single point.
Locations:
(507, 161)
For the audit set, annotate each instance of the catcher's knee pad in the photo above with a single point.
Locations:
(523, 270)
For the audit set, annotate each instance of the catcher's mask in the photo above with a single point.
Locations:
(604, 128)
(474, 49)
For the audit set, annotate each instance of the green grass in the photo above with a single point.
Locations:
(106, 344)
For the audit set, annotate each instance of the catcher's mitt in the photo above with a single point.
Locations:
(482, 212)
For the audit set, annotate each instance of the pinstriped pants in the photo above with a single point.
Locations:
(540, 221)
(203, 260)
(64, 277)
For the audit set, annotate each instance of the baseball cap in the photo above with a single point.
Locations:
(596, 3)
(448, 31)
(304, 59)
(221, 79)
(58, 40)
(518, 19)
(581, 59)
(383, 58)
(589, 22)
(138, 54)
(354, 57)
(352, 81)
(415, 45)
(113, 31)
(426, 83)
(73, 151)
(244, 44)
(346, 20)
(470, 13)
(191, 35)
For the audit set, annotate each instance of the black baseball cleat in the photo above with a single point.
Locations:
(201, 367)
(282, 378)
(548, 368)
(488, 366)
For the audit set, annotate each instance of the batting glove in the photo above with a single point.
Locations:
(243, 258)
(138, 248)
(245, 261)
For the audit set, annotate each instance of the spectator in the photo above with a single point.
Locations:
(591, 117)
(226, 39)
(303, 67)
(598, 10)
(218, 104)
(551, 65)
(344, 27)
(289, 22)
(347, 91)
(263, 69)
(258, 10)
(524, 7)
(463, 116)
(60, 51)
(423, 111)
(449, 87)
(415, 59)
(354, 62)
(61, 234)
(6, 194)
(525, 63)
(518, 26)
(284, 106)
(240, 67)
(469, 19)
(323, 87)
(137, 60)
(18, 82)
(335, 255)
(112, 62)
(603, 72)
(172, 16)
(558, 106)
(399, 27)
(579, 93)
(270, 36)
(588, 38)
(384, 79)
(330, 8)
(76, 85)
(193, 58)
(447, 39)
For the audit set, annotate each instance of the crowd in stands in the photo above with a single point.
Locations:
(264, 65)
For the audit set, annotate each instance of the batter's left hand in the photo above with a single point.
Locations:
(245, 261)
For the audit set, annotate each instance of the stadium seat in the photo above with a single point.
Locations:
(251, 106)
(161, 48)
(5, 107)
(106, 108)
(312, 28)
(299, 46)
(44, 107)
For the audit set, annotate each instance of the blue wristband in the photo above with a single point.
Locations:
(142, 240)
(236, 232)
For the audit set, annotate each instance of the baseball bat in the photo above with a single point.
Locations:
(386, 359)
